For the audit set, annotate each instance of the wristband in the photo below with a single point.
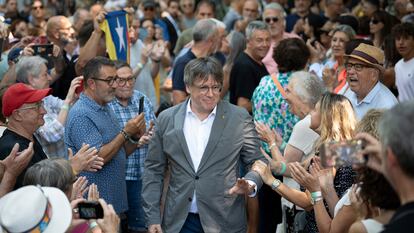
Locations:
(140, 65)
(65, 107)
(316, 194)
(272, 145)
(92, 224)
(283, 169)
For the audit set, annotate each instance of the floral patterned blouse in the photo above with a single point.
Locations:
(269, 107)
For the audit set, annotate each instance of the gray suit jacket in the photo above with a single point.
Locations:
(233, 142)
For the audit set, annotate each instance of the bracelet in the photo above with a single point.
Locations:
(129, 138)
(93, 224)
(65, 107)
(272, 145)
(316, 194)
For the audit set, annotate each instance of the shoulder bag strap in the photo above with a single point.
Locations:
(278, 85)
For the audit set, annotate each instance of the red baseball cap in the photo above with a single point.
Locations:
(18, 94)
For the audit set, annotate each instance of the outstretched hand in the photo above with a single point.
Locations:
(241, 187)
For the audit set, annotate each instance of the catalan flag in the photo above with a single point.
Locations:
(116, 27)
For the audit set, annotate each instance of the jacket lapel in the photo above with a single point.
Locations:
(179, 131)
(216, 133)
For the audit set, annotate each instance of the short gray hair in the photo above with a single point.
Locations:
(254, 26)
(204, 29)
(348, 30)
(219, 23)
(275, 6)
(29, 65)
(396, 131)
(308, 87)
(202, 69)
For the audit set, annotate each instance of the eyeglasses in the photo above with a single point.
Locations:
(205, 89)
(271, 19)
(37, 7)
(375, 21)
(123, 81)
(357, 67)
(110, 80)
(36, 106)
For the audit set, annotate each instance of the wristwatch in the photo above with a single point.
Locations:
(275, 184)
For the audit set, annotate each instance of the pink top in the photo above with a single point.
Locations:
(268, 61)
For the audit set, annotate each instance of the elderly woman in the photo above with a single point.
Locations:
(269, 103)
(302, 93)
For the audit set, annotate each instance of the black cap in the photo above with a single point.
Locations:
(149, 3)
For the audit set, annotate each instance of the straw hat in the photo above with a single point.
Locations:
(368, 54)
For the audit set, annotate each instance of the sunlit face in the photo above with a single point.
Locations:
(361, 82)
(204, 95)
(275, 20)
(205, 12)
(259, 43)
(66, 31)
(338, 43)
(125, 76)
(32, 114)
(296, 105)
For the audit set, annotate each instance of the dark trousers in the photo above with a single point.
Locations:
(192, 224)
(270, 210)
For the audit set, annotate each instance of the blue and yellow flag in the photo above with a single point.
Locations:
(116, 27)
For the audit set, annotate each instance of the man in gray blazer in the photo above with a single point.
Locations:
(204, 141)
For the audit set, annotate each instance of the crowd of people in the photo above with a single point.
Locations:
(256, 116)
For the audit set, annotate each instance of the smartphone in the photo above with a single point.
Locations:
(45, 51)
(90, 210)
(40, 40)
(343, 153)
(141, 105)
(79, 89)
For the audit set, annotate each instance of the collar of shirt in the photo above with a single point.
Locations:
(191, 113)
(92, 103)
(368, 99)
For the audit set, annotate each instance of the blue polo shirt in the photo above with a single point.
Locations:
(94, 124)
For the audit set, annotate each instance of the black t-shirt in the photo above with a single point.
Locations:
(178, 70)
(7, 142)
(402, 221)
(61, 86)
(245, 76)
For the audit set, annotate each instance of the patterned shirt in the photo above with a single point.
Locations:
(96, 125)
(51, 134)
(135, 162)
(270, 108)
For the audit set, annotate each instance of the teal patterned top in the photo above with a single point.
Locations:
(270, 108)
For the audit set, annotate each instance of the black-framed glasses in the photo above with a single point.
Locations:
(375, 21)
(110, 80)
(271, 19)
(37, 7)
(356, 66)
(123, 81)
(205, 89)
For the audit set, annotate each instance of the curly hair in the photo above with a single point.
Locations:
(374, 189)
(291, 55)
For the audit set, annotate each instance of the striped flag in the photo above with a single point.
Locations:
(116, 27)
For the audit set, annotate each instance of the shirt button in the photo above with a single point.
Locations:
(190, 199)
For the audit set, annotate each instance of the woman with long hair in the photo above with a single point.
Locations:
(380, 26)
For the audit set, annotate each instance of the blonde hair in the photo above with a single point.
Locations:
(338, 119)
(369, 123)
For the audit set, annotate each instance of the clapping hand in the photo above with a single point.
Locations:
(86, 159)
(304, 178)
(268, 135)
(264, 171)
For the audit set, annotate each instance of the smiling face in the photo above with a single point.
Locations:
(276, 27)
(259, 43)
(205, 94)
(338, 43)
(361, 81)
(296, 104)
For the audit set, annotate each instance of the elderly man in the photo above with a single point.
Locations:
(203, 141)
(23, 107)
(394, 157)
(250, 12)
(91, 121)
(274, 17)
(364, 69)
(126, 106)
(206, 42)
(248, 68)
(60, 32)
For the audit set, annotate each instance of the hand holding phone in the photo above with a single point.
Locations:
(344, 153)
(141, 105)
(90, 210)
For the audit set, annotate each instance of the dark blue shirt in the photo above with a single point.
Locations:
(93, 124)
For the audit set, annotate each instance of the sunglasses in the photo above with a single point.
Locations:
(375, 21)
(271, 19)
(37, 7)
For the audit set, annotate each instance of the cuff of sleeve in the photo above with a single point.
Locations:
(253, 194)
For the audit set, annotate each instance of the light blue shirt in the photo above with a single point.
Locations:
(380, 97)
